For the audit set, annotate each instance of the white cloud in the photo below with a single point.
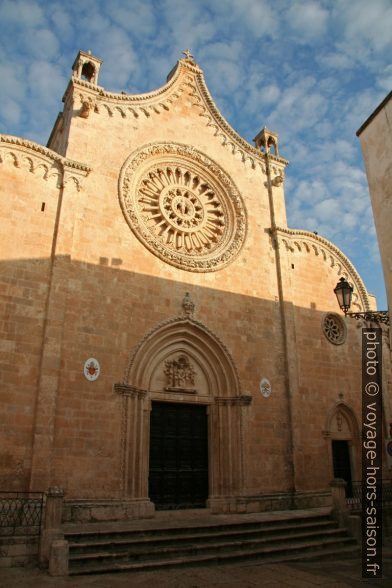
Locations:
(23, 13)
(258, 17)
(13, 84)
(336, 60)
(116, 48)
(222, 60)
(309, 19)
(365, 29)
(47, 85)
(41, 43)
(269, 94)
(11, 112)
(384, 80)
(135, 16)
(62, 20)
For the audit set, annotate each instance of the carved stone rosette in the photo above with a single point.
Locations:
(182, 206)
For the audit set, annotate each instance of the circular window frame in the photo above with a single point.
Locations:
(341, 339)
(146, 159)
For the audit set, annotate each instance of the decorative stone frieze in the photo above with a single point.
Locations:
(187, 77)
(40, 161)
(182, 206)
(306, 242)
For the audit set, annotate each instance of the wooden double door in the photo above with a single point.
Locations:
(178, 476)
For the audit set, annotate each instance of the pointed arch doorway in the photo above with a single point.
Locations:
(343, 432)
(181, 372)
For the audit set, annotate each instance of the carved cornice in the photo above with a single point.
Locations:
(307, 242)
(133, 105)
(185, 77)
(26, 154)
(243, 400)
(127, 390)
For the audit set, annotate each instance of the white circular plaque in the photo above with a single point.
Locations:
(91, 369)
(265, 387)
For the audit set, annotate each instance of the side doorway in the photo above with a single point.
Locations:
(342, 464)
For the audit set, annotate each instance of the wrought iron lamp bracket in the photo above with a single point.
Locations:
(381, 316)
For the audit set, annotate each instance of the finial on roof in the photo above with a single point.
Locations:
(188, 55)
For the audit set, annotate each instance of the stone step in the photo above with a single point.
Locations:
(82, 543)
(300, 551)
(81, 535)
(149, 553)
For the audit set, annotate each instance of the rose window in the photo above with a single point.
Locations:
(334, 329)
(181, 210)
(182, 206)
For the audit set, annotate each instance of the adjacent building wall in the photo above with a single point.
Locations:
(376, 141)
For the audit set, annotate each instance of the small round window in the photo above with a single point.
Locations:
(334, 329)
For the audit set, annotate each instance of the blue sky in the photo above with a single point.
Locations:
(312, 71)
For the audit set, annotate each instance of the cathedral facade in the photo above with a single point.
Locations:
(168, 341)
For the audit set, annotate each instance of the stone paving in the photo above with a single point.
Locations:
(332, 574)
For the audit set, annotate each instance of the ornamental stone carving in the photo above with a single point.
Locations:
(180, 375)
(182, 206)
(334, 328)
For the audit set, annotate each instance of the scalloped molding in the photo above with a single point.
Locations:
(307, 242)
(134, 105)
(187, 77)
(41, 161)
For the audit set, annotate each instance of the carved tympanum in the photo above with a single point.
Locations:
(180, 374)
(182, 206)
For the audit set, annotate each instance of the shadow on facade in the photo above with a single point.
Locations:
(287, 437)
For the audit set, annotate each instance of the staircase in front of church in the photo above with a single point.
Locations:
(280, 538)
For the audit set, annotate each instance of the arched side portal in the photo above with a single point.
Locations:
(182, 361)
(343, 438)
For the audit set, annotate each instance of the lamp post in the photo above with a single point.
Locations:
(344, 292)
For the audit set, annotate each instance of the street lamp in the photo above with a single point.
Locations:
(344, 292)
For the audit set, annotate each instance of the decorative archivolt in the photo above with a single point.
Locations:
(188, 78)
(42, 162)
(309, 243)
(181, 333)
(341, 422)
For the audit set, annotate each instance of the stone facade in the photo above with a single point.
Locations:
(150, 236)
